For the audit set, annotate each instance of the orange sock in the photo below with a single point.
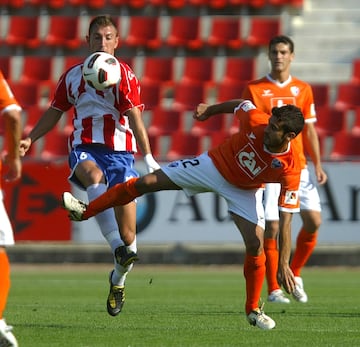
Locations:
(272, 260)
(4, 281)
(305, 245)
(120, 194)
(254, 272)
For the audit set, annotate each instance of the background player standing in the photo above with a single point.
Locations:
(279, 88)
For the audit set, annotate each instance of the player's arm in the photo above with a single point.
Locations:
(47, 122)
(312, 147)
(285, 275)
(205, 111)
(12, 119)
(142, 139)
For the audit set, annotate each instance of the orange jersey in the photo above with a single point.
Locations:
(244, 161)
(266, 93)
(6, 97)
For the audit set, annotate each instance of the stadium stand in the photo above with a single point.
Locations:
(184, 33)
(23, 31)
(226, 32)
(143, 32)
(194, 33)
(166, 121)
(346, 146)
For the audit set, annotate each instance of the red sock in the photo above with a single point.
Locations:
(254, 272)
(4, 281)
(120, 194)
(305, 245)
(272, 260)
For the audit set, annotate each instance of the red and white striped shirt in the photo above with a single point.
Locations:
(99, 115)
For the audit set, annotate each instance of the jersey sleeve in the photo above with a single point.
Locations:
(60, 100)
(129, 90)
(289, 194)
(7, 98)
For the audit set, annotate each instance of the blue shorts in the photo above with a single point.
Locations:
(117, 167)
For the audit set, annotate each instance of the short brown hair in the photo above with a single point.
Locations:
(102, 21)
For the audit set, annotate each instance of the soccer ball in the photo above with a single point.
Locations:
(101, 70)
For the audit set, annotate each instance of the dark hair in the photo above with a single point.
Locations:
(101, 21)
(282, 39)
(290, 117)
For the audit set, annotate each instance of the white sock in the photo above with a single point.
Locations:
(120, 272)
(106, 219)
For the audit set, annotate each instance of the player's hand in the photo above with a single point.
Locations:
(286, 278)
(321, 175)
(201, 113)
(25, 145)
(14, 172)
(151, 164)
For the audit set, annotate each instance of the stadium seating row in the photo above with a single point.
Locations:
(147, 32)
(142, 4)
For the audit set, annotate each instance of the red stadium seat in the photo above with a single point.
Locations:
(188, 95)
(321, 94)
(64, 32)
(347, 96)
(55, 145)
(27, 94)
(184, 145)
(228, 90)
(33, 114)
(158, 69)
(212, 125)
(185, 33)
(239, 69)
(151, 94)
(37, 68)
(346, 146)
(198, 69)
(329, 120)
(262, 30)
(92, 4)
(257, 3)
(143, 32)
(225, 32)
(217, 4)
(165, 121)
(23, 31)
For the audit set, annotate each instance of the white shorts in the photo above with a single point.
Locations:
(308, 195)
(199, 175)
(6, 232)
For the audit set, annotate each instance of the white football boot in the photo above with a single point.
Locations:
(278, 296)
(299, 292)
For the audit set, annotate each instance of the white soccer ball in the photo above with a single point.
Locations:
(101, 70)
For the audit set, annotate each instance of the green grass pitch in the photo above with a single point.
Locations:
(65, 305)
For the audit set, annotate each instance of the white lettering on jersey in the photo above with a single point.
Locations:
(250, 162)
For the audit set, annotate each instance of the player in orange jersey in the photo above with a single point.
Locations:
(10, 112)
(261, 152)
(279, 88)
